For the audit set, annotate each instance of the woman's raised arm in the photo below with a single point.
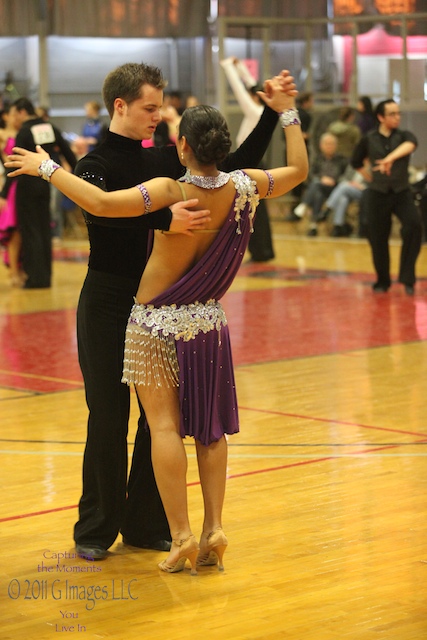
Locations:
(126, 203)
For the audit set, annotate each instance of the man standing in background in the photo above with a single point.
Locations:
(33, 195)
(388, 150)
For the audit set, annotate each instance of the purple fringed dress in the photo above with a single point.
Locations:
(204, 365)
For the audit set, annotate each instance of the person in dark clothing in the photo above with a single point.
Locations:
(366, 120)
(305, 105)
(33, 196)
(388, 149)
(118, 250)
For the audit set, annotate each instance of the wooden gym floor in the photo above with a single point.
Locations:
(326, 499)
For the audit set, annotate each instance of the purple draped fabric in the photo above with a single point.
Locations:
(207, 392)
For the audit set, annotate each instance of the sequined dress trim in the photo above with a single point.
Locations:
(246, 195)
(150, 351)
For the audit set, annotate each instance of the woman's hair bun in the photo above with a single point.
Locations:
(206, 131)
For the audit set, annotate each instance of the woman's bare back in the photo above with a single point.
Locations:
(173, 254)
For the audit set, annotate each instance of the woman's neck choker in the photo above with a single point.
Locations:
(206, 182)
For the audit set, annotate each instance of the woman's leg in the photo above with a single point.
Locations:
(161, 406)
(212, 461)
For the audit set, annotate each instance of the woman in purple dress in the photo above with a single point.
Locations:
(177, 344)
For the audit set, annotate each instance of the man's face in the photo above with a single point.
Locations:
(139, 119)
(392, 115)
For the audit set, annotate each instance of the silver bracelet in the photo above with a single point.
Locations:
(47, 168)
(288, 117)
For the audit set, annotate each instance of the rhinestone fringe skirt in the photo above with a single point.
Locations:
(152, 332)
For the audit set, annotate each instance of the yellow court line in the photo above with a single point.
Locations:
(39, 377)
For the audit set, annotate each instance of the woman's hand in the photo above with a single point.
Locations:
(26, 162)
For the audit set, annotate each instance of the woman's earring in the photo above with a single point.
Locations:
(182, 156)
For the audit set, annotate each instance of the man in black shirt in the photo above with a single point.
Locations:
(388, 149)
(133, 95)
(33, 195)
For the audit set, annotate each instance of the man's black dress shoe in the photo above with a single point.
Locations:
(379, 288)
(156, 545)
(409, 289)
(91, 551)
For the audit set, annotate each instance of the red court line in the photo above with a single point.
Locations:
(38, 513)
(231, 477)
(305, 462)
(344, 422)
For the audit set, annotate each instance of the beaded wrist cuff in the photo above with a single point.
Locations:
(270, 184)
(47, 168)
(146, 196)
(288, 117)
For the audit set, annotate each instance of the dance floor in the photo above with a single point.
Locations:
(325, 508)
(274, 313)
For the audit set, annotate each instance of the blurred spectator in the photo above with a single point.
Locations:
(305, 104)
(175, 99)
(7, 130)
(325, 173)
(342, 195)
(191, 101)
(244, 87)
(365, 119)
(94, 129)
(346, 132)
(43, 113)
(171, 116)
(70, 218)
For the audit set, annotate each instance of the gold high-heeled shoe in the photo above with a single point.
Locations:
(188, 548)
(216, 545)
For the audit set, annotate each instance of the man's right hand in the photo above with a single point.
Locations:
(186, 221)
(279, 92)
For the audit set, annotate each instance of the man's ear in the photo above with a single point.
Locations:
(119, 105)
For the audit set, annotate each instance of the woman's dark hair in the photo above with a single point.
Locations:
(367, 104)
(206, 131)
